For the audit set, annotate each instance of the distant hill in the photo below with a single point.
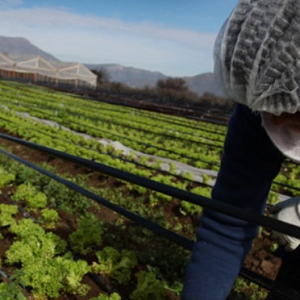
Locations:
(130, 76)
(203, 83)
(18, 48)
(133, 77)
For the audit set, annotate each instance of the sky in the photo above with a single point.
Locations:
(174, 37)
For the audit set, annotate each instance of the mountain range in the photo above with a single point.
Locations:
(18, 48)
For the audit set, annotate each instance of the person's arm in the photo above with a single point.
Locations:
(250, 163)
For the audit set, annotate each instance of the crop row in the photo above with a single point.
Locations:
(53, 255)
(181, 143)
(66, 216)
(98, 113)
(49, 257)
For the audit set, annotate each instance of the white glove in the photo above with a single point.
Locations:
(287, 211)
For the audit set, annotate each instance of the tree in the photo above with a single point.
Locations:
(102, 75)
(177, 84)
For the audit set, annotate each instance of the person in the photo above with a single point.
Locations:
(257, 64)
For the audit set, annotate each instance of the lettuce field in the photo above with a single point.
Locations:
(78, 217)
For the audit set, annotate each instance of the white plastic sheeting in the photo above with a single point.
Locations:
(6, 63)
(77, 72)
(40, 69)
(36, 65)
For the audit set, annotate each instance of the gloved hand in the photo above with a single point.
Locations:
(287, 211)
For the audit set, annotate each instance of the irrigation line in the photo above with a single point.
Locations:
(113, 156)
(33, 107)
(139, 142)
(287, 186)
(169, 119)
(153, 118)
(165, 128)
(151, 146)
(207, 203)
(283, 292)
(194, 127)
(262, 281)
(151, 168)
(166, 119)
(152, 106)
(147, 131)
(183, 242)
(246, 273)
(178, 239)
(120, 100)
(95, 277)
(3, 274)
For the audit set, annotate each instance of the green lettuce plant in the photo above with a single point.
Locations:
(87, 236)
(6, 177)
(148, 287)
(114, 264)
(33, 198)
(7, 213)
(11, 291)
(113, 296)
(45, 269)
(49, 218)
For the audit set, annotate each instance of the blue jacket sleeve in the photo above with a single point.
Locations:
(249, 164)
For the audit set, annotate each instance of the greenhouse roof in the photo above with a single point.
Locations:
(37, 63)
(59, 71)
(77, 71)
(4, 60)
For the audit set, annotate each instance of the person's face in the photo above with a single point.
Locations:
(290, 120)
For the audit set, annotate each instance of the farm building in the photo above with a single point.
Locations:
(77, 74)
(40, 70)
(6, 66)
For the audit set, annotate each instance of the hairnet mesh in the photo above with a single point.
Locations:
(257, 55)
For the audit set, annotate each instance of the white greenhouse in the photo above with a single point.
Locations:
(40, 70)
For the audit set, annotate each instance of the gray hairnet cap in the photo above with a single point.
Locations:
(257, 55)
